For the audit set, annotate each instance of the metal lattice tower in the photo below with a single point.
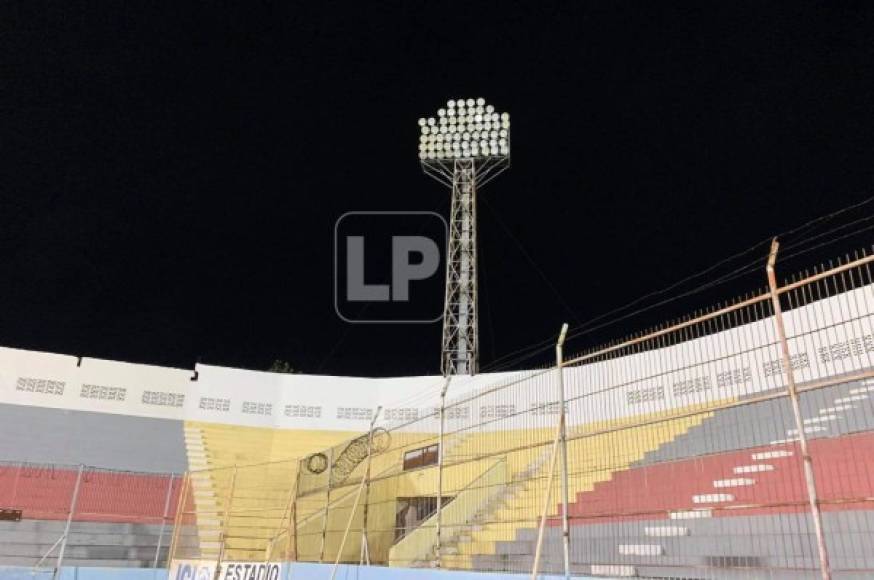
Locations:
(464, 147)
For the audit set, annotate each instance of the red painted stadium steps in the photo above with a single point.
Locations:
(45, 493)
(762, 480)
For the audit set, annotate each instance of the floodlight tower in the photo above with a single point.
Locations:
(464, 147)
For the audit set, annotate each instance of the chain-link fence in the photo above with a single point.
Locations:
(737, 442)
(79, 515)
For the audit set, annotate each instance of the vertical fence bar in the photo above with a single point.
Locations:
(365, 547)
(291, 541)
(327, 507)
(164, 519)
(562, 421)
(226, 524)
(73, 501)
(357, 499)
(15, 484)
(440, 460)
(807, 460)
(177, 521)
(539, 546)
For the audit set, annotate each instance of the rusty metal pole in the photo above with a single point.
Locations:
(565, 524)
(535, 568)
(73, 503)
(164, 519)
(327, 507)
(15, 485)
(226, 524)
(807, 460)
(365, 547)
(440, 460)
(177, 520)
(291, 543)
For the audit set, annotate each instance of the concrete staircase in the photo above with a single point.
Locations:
(23, 543)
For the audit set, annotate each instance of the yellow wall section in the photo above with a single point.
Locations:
(268, 460)
(262, 491)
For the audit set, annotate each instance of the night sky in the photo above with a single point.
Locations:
(170, 177)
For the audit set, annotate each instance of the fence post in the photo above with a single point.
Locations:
(565, 525)
(164, 519)
(807, 460)
(229, 502)
(440, 458)
(327, 506)
(177, 520)
(291, 533)
(357, 498)
(15, 484)
(365, 547)
(535, 568)
(73, 501)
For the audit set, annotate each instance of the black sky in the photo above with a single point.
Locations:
(170, 177)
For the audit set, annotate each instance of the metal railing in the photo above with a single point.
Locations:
(86, 514)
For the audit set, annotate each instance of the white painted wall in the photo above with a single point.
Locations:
(601, 390)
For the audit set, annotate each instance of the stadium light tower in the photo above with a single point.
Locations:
(464, 147)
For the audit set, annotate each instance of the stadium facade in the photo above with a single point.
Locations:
(684, 454)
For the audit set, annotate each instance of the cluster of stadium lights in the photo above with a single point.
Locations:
(465, 129)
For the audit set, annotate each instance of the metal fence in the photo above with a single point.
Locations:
(81, 515)
(737, 442)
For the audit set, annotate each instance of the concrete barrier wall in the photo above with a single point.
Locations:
(295, 571)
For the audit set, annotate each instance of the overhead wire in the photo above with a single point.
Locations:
(546, 344)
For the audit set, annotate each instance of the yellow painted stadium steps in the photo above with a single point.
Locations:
(213, 448)
(591, 460)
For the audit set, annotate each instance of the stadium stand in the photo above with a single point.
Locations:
(734, 472)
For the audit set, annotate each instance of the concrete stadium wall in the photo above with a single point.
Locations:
(310, 402)
(298, 571)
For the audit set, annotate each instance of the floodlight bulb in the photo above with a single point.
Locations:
(480, 101)
(505, 124)
(425, 130)
(505, 116)
(450, 103)
(461, 111)
(422, 122)
(431, 121)
(441, 112)
(502, 133)
(469, 103)
(479, 111)
(490, 109)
